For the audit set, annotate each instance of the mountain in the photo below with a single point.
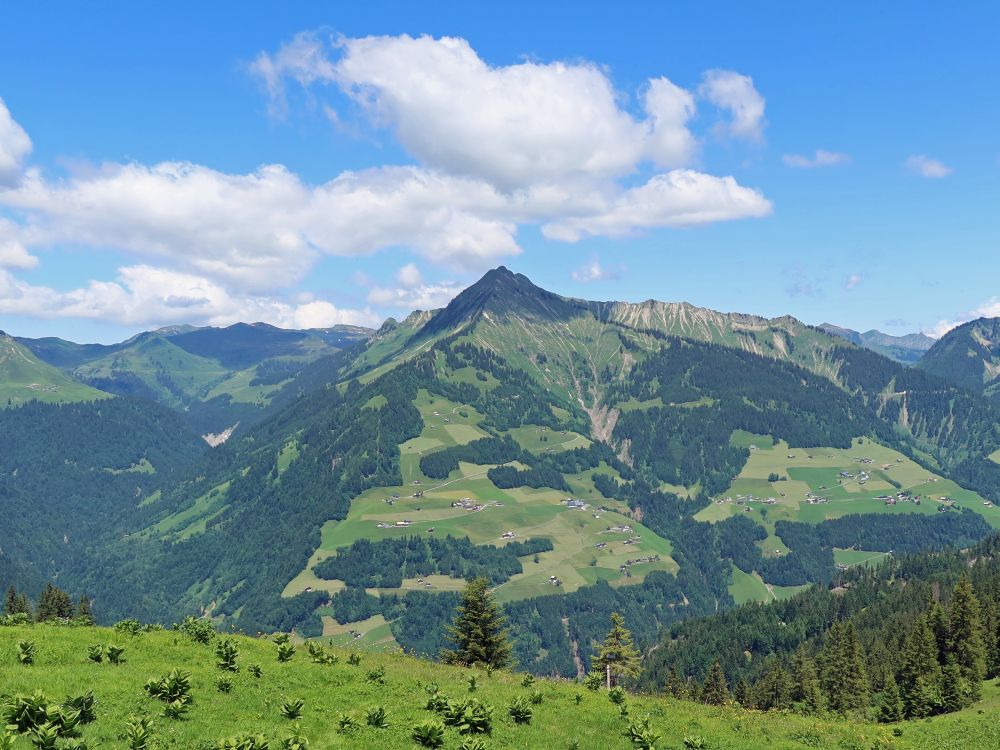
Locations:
(968, 356)
(219, 378)
(906, 349)
(657, 459)
(24, 377)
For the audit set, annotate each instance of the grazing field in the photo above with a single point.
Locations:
(749, 587)
(852, 557)
(818, 472)
(995, 456)
(567, 715)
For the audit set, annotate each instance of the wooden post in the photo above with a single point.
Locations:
(607, 669)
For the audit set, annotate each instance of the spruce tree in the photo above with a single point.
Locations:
(921, 673)
(11, 601)
(676, 685)
(806, 691)
(774, 689)
(891, 709)
(937, 620)
(54, 604)
(715, 691)
(616, 656)
(479, 634)
(953, 688)
(742, 693)
(844, 677)
(966, 643)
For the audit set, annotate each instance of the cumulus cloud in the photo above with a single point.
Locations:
(680, 198)
(924, 166)
(988, 309)
(820, 159)
(15, 145)
(736, 94)
(13, 253)
(145, 295)
(592, 270)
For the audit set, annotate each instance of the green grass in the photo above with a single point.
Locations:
(995, 456)
(62, 670)
(538, 439)
(852, 557)
(24, 378)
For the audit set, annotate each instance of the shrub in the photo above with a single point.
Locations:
(616, 695)
(437, 701)
(320, 655)
(255, 671)
(224, 684)
(578, 698)
(346, 724)
(45, 737)
(137, 733)
(83, 705)
(175, 685)
(695, 742)
(24, 712)
(377, 718)
(528, 681)
(280, 638)
(354, 659)
(428, 734)
(376, 676)
(594, 680)
(243, 742)
(292, 710)
(129, 627)
(642, 735)
(469, 717)
(226, 654)
(95, 653)
(26, 652)
(472, 682)
(520, 711)
(296, 740)
(535, 697)
(198, 630)
(472, 743)
(285, 651)
(176, 709)
(115, 654)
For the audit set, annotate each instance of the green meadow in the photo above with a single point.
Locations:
(568, 715)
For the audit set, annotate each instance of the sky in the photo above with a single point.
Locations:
(308, 164)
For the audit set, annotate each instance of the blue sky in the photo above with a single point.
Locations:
(323, 162)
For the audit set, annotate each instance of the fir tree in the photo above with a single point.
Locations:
(54, 604)
(742, 693)
(937, 621)
(616, 656)
(920, 672)
(953, 688)
(478, 634)
(844, 678)
(11, 601)
(891, 709)
(716, 691)
(774, 689)
(676, 685)
(806, 691)
(967, 644)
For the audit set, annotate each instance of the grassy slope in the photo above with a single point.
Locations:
(61, 669)
(24, 377)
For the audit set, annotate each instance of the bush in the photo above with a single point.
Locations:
(224, 684)
(226, 655)
(174, 686)
(437, 701)
(354, 659)
(198, 630)
(535, 697)
(472, 743)
(346, 724)
(528, 681)
(376, 676)
(295, 741)
(377, 718)
(95, 653)
(129, 627)
(115, 654)
(26, 652)
(175, 709)
(137, 733)
(243, 742)
(695, 742)
(83, 705)
(520, 711)
(469, 717)
(320, 655)
(285, 651)
(616, 695)
(642, 735)
(594, 681)
(292, 710)
(428, 734)
(255, 671)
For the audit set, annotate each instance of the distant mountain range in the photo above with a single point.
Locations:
(968, 356)
(907, 349)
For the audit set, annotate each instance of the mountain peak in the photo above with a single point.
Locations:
(502, 293)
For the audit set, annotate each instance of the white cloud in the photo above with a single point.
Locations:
(853, 281)
(924, 166)
(144, 295)
(680, 198)
(592, 270)
(422, 297)
(989, 309)
(15, 145)
(409, 276)
(736, 93)
(13, 253)
(820, 159)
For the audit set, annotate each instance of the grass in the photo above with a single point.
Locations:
(995, 456)
(62, 670)
(817, 470)
(24, 378)
(852, 557)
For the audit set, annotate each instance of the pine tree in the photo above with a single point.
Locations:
(966, 643)
(921, 673)
(716, 691)
(11, 602)
(478, 634)
(54, 604)
(953, 688)
(937, 620)
(891, 710)
(616, 656)
(806, 691)
(774, 689)
(844, 678)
